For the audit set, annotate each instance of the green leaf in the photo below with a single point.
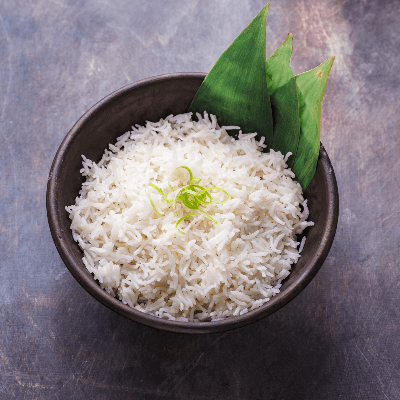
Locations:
(235, 89)
(310, 88)
(284, 101)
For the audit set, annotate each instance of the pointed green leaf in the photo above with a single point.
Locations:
(310, 88)
(284, 101)
(235, 89)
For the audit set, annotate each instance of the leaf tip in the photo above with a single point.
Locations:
(328, 62)
(323, 70)
(289, 37)
(289, 42)
(264, 11)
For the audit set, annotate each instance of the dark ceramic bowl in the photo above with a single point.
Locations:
(153, 99)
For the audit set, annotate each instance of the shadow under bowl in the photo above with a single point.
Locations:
(150, 100)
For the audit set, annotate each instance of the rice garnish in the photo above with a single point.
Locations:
(214, 270)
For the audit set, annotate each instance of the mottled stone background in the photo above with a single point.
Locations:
(338, 340)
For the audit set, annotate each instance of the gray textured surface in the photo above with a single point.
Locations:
(338, 340)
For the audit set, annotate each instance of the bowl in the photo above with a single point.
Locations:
(152, 99)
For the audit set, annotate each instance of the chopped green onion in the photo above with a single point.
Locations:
(184, 198)
(152, 203)
(159, 190)
(187, 169)
(208, 216)
(192, 196)
(181, 219)
(176, 198)
(222, 190)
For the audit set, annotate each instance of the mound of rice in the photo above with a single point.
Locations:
(213, 271)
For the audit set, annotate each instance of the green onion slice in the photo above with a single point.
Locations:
(181, 219)
(176, 198)
(223, 191)
(187, 169)
(159, 190)
(152, 203)
(192, 196)
(208, 216)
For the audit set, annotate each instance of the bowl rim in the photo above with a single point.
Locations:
(60, 237)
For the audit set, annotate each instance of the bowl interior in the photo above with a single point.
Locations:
(153, 99)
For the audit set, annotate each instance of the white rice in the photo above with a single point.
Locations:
(213, 271)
